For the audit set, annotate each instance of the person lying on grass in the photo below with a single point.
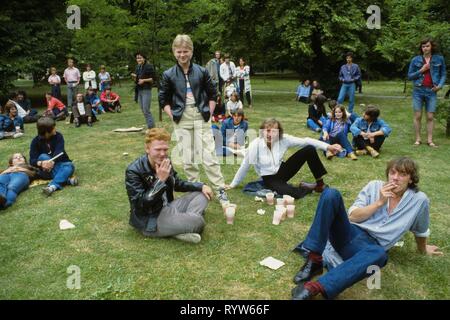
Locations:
(266, 154)
(382, 213)
(48, 154)
(151, 181)
(15, 179)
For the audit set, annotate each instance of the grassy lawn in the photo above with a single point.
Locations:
(118, 263)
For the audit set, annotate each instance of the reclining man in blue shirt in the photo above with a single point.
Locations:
(382, 213)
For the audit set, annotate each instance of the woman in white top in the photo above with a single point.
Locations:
(266, 154)
(89, 78)
(105, 78)
(234, 104)
(243, 74)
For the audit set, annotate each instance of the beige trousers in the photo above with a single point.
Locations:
(195, 145)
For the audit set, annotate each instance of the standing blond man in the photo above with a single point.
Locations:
(188, 96)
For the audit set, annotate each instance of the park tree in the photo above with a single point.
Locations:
(33, 36)
(407, 22)
(106, 36)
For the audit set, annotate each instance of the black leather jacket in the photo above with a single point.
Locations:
(172, 90)
(145, 192)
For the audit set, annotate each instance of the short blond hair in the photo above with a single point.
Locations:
(182, 40)
(156, 134)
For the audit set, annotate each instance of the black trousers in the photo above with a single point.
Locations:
(361, 143)
(241, 92)
(279, 181)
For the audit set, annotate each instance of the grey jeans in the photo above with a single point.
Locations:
(145, 100)
(72, 91)
(183, 215)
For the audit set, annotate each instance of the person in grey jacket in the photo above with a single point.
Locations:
(150, 182)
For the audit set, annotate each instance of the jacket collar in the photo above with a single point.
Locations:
(181, 68)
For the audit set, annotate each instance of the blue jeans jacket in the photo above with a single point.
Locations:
(437, 70)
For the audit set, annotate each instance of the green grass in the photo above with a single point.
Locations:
(117, 263)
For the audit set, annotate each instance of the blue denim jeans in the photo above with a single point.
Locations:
(11, 184)
(60, 173)
(347, 89)
(424, 96)
(314, 126)
(342, 140)
(221, 149)
(145, 100)
(356, 247)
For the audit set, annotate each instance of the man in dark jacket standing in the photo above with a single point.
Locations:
(150, 182)
(188, 96)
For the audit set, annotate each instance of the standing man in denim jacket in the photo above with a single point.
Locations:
(427, 71)
(348, 75)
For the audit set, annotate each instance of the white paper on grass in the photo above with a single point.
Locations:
(272, 263)
(261, 212)
(259, 199)
(64, 225)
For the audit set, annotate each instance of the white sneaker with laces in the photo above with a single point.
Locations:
(189, 237)
(222, 196)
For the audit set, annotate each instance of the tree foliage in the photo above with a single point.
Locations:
(309, 37)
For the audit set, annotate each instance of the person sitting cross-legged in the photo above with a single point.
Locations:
(369, 132)
(317, 114)
(110, 101)
(266, 154)
(82, 111)
(44, 149)
(11, 125)
(55, 108)
(230, 139)
(92, 98)
(382, 213)
(150, 182)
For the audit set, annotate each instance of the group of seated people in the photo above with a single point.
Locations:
(84, 109)
(345, 243)
(16, 111)
(306, 92)
(368, 131)
(48, 161)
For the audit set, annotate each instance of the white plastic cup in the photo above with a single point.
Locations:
(284, 214)
(288, 200)
(225, 204)
(277, 214)
(280, 201)
(290, 210)
(230, 213)
(270, 198)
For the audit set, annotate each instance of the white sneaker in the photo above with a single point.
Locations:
(189, 237)
(17, 135)
(240, 152)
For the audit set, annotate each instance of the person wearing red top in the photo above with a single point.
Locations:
(55, 108)
(110, 101)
